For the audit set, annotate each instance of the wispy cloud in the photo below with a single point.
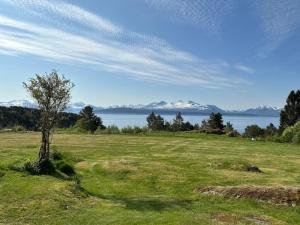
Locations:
(105, 46)
(207, 14)
(280, 18)
(244, 68)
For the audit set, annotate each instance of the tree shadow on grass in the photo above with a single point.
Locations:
(146, 203)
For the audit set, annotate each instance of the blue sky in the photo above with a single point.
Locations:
(234, 54)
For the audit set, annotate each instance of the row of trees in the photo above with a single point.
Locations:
(214, 124)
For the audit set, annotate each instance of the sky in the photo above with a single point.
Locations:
(230, 53)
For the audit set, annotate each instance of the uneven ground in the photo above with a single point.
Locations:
(147, 179)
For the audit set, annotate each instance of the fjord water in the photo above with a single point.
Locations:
(239, 122)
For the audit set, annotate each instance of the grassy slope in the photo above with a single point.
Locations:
(145, 180)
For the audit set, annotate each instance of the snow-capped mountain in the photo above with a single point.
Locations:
(187, 107)
(264, 110)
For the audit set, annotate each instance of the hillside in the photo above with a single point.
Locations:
(162, 107)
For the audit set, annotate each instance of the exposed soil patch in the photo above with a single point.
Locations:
(257, 220)
(229, 218)
(285, 195)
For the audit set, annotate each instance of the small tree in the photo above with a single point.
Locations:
(52, 93)
(216, 121)
(89, 121)
(178, 122)
(271, 130)
(155, 122)
(253, 131)
(229, 127)
(291, 112)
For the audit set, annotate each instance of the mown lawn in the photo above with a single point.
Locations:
(145, 179)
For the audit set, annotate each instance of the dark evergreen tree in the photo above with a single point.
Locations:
(155, 122)
(291, 112)
(178, 123)
(88, 120)
(216, 121)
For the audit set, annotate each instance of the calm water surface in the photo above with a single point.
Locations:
(239, 122)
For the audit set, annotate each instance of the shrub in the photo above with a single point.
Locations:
(18, 128)
(212, 131)
(113, 129)
(55, 155)
(65, 168)
(233, 133)
(35, 168)
(296, 138)
(287, 135)
(291, 134)
(133, 130)
(253, 131)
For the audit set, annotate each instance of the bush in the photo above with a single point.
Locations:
(18, 128)
(287, 135)
(133, 130)
(55, 155)
(109, 130)
(35, 168)
(65, 168)
(233, 133)
(212, 131)
(296, 138)
(253, 131)
(291, 134)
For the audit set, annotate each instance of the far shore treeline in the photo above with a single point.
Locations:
(20, 119)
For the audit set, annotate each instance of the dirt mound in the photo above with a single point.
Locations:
(286, 195)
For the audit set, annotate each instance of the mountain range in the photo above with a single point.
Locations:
(162, 107)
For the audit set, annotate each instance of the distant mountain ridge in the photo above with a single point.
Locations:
(186, 107)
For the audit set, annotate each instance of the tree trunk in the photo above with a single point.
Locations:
(45, 147)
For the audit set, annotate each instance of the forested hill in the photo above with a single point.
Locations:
(29, 118)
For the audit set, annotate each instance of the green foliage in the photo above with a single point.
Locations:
(253, 131)
(29, 119)
(291, 112)
(155, 122)
(113, 129)
(38, 168)
(178, 123)
(56, 155)
(271, 130)
(233, 133)
(133, 130)
(88, 120)
(18, 128)
(215, 122)
(229, 127)
(288, 134)
(291, 134)
(65, 167)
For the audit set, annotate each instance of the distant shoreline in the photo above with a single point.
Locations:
(183, 113)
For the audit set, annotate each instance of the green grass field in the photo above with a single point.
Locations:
(145, 179)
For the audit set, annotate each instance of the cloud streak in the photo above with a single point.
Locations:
(207, 14)
(105, 46)
(280, 18)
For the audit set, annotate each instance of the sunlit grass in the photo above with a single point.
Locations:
(145, 179)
